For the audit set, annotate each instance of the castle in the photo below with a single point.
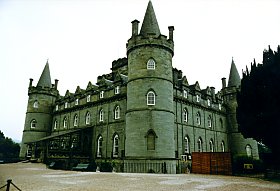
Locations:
(141, 115)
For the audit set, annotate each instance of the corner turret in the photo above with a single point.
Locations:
(38, 117)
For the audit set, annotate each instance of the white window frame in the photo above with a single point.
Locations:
(77, 101)
(199, 145)
(117, 112)
(185, 93)
(187, 145)
(88, 116)
(88, 98)
(55, 125)
(75, 120)
(151, 64)
(33, 124)
(99, 146)
(211, 145)
(198, 118)
(117, 89)
(35, 104)
(151, 98)
(209, 121)
(65, 122)
(101, 95)
(185, 115)
(116, 146)
(101, 115)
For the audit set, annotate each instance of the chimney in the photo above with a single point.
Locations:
(171, 29)
(55, 84)
(224, 83)
(135, 24)
(30, 82)
(212, 92)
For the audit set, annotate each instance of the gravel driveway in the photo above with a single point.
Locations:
(35, 176)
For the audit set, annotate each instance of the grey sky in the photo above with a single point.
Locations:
(82, 38)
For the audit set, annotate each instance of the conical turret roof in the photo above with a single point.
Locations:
(234, 78)
(150, 24)
(45, 79)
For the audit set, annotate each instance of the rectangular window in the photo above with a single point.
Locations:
(101, 94)
(185, 93)
(77, 102)
(117, 90)
(88, 98)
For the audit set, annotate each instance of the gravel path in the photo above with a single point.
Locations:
(35, 176)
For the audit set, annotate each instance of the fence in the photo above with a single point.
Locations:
(149, 167)
(8, 185)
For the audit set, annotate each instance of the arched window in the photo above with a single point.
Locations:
(36, 104)
(101, 115)
(199, 145)
(185, 115)
(209, 121)
(116, 146)
(55, 125)
(88, 118)
(187, 145)
(76, 120)
(151, 64)
(33, 124)
(99, 146)
(198, 118)
(223, 146)
(249, 150)
(151, 140)
(117, 112)
(211, 145)
(151, 98)
(65, 122)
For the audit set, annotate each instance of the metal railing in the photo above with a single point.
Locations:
(8, 185)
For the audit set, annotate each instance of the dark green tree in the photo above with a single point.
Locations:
(258, 111)
(9, 150)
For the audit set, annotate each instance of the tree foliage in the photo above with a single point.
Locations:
(258, 111)
(8, 148)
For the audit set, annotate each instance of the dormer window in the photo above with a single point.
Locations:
(197, 98)
(66, 105)
(117, 90)
(185, 93)
(77, 102)
(101, 95)
(151, 64)
(88, 98)
(208, 102)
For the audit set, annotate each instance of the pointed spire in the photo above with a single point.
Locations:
(45, 79)
(150, 24)
(234, 78)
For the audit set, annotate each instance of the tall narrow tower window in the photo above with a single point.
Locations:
(151, 98)
(33, 124)
(76, 120)
(66, 105)
(187, 145)
(117, 112)
(185, 115)
(87, 118)
(151, 64)
(249, 150)
(101, 118)
(116, 146)
(65, 122)
(211, 145)
(151, 140)
(209, 121)
(223, 146)
(117, 89)
(199, 145)
(55, 125)
(36, 104)
(198, 118)
(88, 98)
(99, 146)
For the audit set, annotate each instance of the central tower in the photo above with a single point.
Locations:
(149, 144)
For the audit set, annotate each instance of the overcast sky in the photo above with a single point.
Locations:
(81, 38)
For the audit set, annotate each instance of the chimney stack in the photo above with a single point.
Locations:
(224, 83)
(135, 24)
(171, 29)
(30, 82)
(55, 84)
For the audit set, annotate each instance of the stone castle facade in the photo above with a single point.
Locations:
(141, 115)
